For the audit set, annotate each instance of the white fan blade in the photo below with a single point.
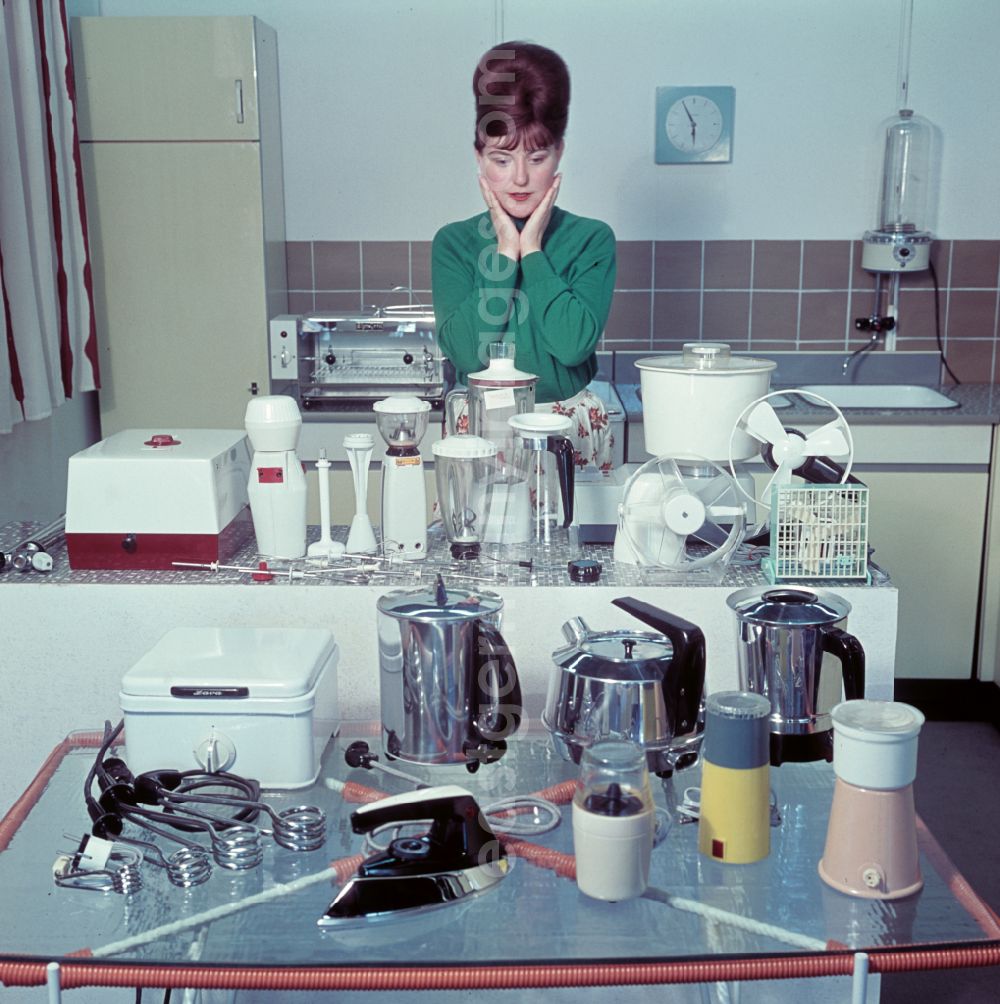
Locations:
(827, 441)
(781, 477)
(724, 513)
(644, 513)
(763, 424)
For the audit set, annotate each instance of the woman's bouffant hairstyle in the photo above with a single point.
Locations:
(522, 94)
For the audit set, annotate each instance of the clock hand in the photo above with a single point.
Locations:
(688, 114)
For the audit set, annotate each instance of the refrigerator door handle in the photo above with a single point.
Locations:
(239, 101)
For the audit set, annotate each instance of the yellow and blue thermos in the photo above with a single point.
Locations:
(734, 822)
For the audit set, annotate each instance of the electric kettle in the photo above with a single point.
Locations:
(640, 687)
(448, 686)
(784, 634)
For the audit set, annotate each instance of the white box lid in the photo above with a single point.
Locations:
(158, 481)
(274, 663)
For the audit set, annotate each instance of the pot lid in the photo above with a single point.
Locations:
(462, 446)
(501, 373)
(439, 605)
(787, 605)
(617, 656)
(707, 358)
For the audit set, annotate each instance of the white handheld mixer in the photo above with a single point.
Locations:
(361, 538)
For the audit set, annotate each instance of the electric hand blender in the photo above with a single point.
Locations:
(361, 538)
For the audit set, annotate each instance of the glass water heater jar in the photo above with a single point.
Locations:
(902, 241)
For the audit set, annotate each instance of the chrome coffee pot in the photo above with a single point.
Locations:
(448, 686)
(638, 686)
(784, 634)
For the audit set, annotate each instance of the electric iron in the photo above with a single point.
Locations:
(457, 857)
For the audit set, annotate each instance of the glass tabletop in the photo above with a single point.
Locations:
(266, 916)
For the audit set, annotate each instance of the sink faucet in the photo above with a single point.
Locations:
(877, 335)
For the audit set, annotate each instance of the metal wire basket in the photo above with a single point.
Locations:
(818, 532)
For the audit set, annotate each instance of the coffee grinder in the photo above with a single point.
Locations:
(402, 422)
(871, 839)
(277, 487)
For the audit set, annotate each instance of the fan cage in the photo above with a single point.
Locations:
(818, 532)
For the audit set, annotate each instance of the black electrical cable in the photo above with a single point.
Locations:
(121, 795)
(937, 322)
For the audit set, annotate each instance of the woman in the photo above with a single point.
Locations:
(526, 271)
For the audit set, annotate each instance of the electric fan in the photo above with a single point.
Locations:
(818, 530)
(680, 515)
(789, 451)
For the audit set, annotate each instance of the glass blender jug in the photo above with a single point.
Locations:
(463, 468)
(493, 396)
(536, 494)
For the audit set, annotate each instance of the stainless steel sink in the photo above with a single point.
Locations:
(879, 395)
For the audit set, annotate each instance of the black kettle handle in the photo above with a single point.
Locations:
(848, 650)
(497, 689)
(688, 643)
(562, 447)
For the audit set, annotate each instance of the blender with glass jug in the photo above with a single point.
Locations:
(463, 469)
(494, 395)
(402, 422)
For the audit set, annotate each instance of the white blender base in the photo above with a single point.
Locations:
(404, 508)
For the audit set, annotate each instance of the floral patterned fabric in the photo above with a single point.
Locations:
(592, 435)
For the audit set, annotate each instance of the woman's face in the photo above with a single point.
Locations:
(519, 177)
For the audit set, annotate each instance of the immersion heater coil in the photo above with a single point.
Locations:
(818, 532)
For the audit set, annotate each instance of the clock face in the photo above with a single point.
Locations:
(693, 123)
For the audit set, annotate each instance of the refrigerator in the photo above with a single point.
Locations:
(180, 139)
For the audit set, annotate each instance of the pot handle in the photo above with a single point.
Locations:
(563, 450)
(575, 630)
(689, 655)
(849, 651)
(497, 689)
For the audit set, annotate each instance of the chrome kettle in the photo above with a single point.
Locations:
(784, 634)
(638, 686)
(448, 686)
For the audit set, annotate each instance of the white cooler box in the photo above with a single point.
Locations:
(258, 702)
(144, 498)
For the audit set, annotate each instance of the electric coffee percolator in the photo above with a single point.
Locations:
(638, 686)
(448, 686)
(784, 634)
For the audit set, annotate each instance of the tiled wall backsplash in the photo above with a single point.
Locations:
(756, 295)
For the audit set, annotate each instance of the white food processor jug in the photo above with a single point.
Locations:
(277, 486)
(402, 422)
(464, 466)
(493, 396)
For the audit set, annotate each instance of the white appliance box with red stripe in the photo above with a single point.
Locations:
(145, 498)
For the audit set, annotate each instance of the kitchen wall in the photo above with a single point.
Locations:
(377, 120)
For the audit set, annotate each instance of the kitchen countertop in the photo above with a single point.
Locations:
(978, 404)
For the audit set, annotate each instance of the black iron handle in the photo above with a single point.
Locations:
(563, 450)
(851, 654)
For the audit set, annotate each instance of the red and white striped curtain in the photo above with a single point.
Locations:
(49, 348)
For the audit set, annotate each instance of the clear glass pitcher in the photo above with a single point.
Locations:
(493, 396)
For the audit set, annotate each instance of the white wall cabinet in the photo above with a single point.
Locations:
(181, 148)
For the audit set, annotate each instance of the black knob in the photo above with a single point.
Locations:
(329, 359)
(584, 570)
(358, 754)
(129, 543)
(407, 358)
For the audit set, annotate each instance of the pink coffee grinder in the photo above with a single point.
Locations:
(871, 839)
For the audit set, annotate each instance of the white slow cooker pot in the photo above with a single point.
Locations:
(691, 402)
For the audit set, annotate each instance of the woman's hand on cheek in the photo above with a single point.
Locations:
(534, 229)
(508, 239)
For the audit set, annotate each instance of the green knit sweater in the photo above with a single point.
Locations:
(553, 304)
